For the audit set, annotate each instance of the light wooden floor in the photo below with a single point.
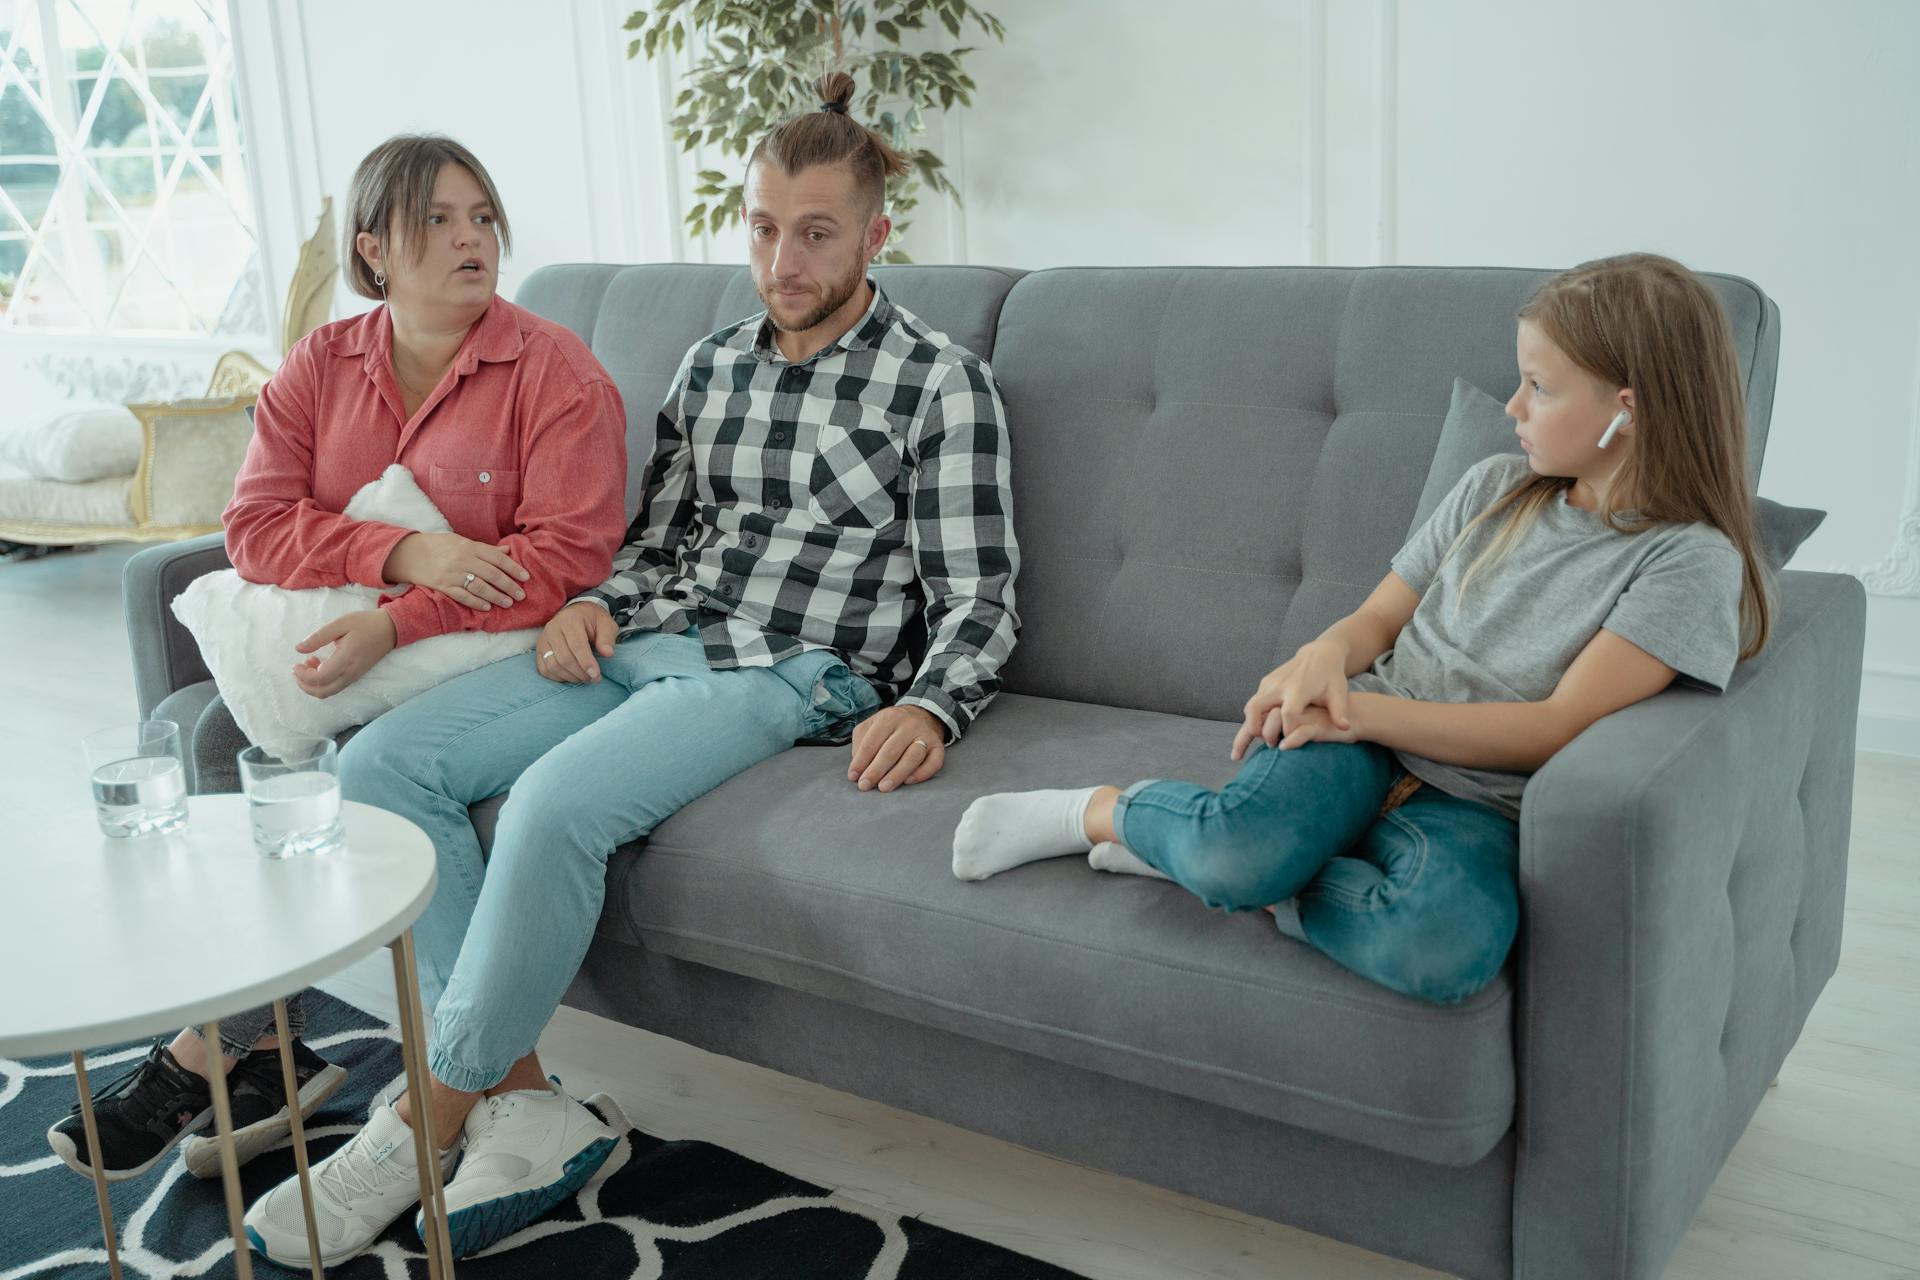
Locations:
(1824, 1186)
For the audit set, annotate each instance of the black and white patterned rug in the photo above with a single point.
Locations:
(674, 1210)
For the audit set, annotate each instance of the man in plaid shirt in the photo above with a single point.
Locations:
(830, 490)
(797, 492)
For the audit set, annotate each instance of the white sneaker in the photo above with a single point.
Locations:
(526, 1151)
(357, 1193)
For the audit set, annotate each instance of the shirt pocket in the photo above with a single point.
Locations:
(855, 479)
(478, 502)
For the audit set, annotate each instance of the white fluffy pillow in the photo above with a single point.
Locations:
(99, 442)
(247, 632)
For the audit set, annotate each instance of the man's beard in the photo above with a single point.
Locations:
(837, 294)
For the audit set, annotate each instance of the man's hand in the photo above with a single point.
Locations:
(359, 640)
(897, 747)
(568, 642)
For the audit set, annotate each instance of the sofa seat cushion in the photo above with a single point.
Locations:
(790, 875)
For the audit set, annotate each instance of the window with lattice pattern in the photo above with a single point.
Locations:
(124, 203)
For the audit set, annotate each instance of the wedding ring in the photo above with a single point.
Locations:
(469, 582)
(921, 742)
(547, 654)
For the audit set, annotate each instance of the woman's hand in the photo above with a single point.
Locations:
(568, 642)
(1316, 676)
(359, 640)
(471, 573)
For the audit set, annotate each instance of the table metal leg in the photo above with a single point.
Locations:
(229, 1161)
(290, 1082)
(93, 1163)
(413, 1051)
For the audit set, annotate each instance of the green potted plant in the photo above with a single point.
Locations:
(755, 62)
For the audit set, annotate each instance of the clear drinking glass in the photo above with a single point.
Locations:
(139, 782)
(293, 798)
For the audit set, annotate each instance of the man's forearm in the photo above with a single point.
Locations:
(1475, 735)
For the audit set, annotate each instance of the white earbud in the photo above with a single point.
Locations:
(1620, 420)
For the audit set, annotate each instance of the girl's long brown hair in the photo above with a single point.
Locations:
(1646, 322)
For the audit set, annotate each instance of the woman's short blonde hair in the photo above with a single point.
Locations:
(392, 197)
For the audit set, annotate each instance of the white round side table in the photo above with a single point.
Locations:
(188, 927)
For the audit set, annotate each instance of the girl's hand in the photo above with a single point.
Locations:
(471, 573)
(1316, 725)
(359, 640)
(1316, 676)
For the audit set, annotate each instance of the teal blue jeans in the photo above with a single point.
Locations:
(591, 766)
(1422, 899)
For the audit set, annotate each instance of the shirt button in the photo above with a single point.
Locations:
(777, 505)
(779, 437)
(753, 541)
(486, 477)
(726, 589)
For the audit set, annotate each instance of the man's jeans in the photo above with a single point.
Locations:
(591, 766)
(1422, 899)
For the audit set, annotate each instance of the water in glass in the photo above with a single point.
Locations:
(140, 795)
(295, 813)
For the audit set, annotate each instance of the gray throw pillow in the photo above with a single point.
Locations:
(1782, 529)
(1477, 427)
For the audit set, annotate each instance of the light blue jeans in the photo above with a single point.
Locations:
(591, 766)
(1423, 899)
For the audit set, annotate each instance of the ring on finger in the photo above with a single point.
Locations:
(468, 584)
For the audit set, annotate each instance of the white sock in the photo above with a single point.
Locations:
(1111, 856)
(1000, 832)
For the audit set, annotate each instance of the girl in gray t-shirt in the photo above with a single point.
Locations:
(1376, 811)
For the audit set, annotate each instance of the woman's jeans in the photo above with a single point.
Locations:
(591, 766)
(1421, 899)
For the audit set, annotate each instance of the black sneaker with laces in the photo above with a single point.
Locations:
(258, 1096)
(140, 1117)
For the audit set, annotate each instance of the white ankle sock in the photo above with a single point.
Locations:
(1013, 828)
(1111, 856)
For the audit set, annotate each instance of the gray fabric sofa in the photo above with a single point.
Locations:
(1209, 466)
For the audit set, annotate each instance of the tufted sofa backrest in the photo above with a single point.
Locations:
(1213, 464)
(1210, 464)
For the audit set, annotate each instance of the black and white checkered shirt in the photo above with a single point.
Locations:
(828, 505)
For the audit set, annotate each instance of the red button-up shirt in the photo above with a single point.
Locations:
(522, 444)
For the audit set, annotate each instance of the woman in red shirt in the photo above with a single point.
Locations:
(518, 436)
(506, 420)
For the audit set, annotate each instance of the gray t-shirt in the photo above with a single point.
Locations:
(1673, 590)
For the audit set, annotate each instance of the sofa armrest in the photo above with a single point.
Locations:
(1682, 874)
(165, 657)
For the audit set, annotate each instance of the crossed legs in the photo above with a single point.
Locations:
(1421, 899)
